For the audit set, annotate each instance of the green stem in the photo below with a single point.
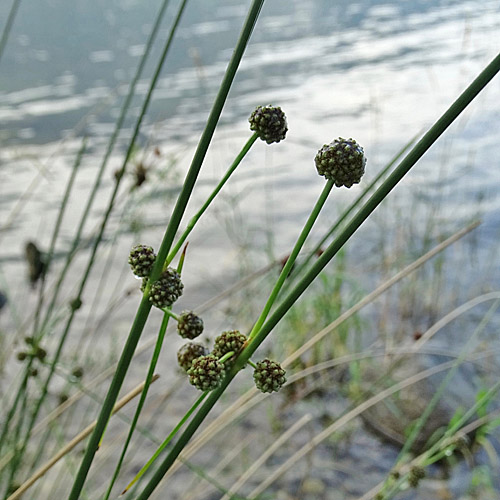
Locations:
(168, 312)
(55, 233)
(407, 163)
(149, 377)
(8, 26)
(214, 193)
(291, 259)
(145, 305)
(107, 155)
(99, 237)
(18, 456)
(252, 364)
(147, 383)
(165, 443)
(226, 356)
(205, 139)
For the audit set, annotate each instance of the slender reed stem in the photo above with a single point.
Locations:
(74, 442)
(107, 155)
(165, 443)
(147, 383)
(50, 254)
(214, 193)
(437, 451)
(98, 239)
(8, 26)
(145, 305)
(291, 259)
(55, 233)
(403, 168)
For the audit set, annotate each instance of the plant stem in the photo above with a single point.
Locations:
(165, 443)
(214, 193)
(403, 168)
(8, 26)
(226, 356)
(109, 150)
(55, 233)
(291, 259)
(147, 383)
(18, 456)
(145, 305)
(108, 211)
(170, 313)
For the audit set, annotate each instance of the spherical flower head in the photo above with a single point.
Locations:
(415, 475)
(231, 340)
(206, 373)
(269, 123)
(188, 353)
(167, 289)
(342, 161)
(269, 376)
(141, 260)
(189, 325)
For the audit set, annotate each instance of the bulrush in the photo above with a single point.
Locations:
(269, 376)
(166, 289)
(189, 325)
(206, 373)
(269, 123)
(231, 340)
(188, 353)
(141, 260)
(342, 161)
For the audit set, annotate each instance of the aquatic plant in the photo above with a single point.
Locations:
(342, 163)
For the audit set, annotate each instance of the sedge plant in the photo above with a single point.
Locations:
(326, 165)
(342, 163)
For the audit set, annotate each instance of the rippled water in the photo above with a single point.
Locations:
(380, 72)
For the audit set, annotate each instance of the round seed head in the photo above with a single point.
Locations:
(189, 325)
(167, 289)
(188, 353)
(77, 372)
(342, 161)
(206, 373)
(269, 123)
(75, 304)
(141, 260)
(415, 475)
(269, 376)
(21, 355)
(63, 397)
(40, 353)
(231, 340)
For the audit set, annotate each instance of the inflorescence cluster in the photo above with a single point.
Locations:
(205, 369)
(342, 162)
